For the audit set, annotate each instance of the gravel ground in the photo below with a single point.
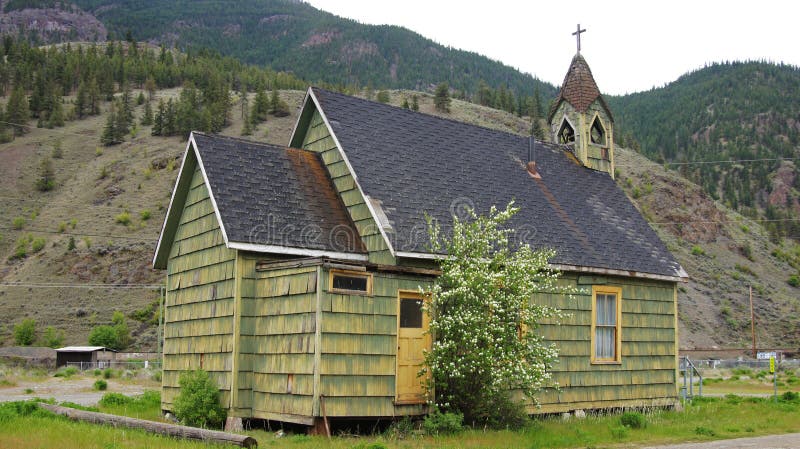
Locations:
(786, 441)
(76, 389)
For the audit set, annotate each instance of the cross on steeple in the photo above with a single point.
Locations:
(578, 34)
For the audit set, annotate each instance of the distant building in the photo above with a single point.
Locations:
(293, 273)
(85, 356)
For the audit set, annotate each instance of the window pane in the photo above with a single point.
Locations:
(606, 310)
(605, 346)
(356, 283)
(411, 313)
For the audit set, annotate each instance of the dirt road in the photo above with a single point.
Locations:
(77, 389)
(786, 441)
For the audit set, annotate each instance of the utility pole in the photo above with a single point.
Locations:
(752, 321)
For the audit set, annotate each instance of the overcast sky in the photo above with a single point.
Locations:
(630, 45)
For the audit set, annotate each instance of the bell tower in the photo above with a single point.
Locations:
(580, 117)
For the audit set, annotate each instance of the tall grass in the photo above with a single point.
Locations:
(706, 419)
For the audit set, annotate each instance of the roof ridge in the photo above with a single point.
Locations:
(243, 140)
(446, 119)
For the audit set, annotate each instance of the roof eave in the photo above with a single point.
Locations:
(294, 251)
(163, 247)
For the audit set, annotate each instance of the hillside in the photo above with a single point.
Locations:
(294, 36)
(745, 112)
(95, 184)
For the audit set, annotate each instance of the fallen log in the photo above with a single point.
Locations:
(172, 430)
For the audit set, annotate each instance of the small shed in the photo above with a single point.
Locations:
(86, 356)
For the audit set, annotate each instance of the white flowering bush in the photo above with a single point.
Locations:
(483, 322)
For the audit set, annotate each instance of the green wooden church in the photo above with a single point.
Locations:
(293, 272)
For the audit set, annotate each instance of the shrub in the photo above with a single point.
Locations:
(145, 215)
(108, 373)
(67, 371)
(700, 430)
(124, 218)
(438, 423)
(100, 385)
(794, 280)
(697, 250)
(52, 338)
(20, 250)
(375, 445)
(97, 372)
(25, 332)
(790, 396)
(619, 432)
(18, 223)
(633, 420)
(197, 404)
(114, 399)
(71, 244)
(103, 336)
(38, 244)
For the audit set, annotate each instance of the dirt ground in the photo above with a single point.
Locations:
(788, 441)
(77, 389)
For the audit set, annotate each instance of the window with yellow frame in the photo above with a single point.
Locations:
(350, 282)
(606, 324)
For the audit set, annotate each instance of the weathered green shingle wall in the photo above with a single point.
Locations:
(359, 346)
(200, 290)
(319, 140)
(278, 329)
(646, 374)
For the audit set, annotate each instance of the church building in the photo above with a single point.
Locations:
(293, 273)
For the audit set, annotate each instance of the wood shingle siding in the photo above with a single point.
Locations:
(646, 371)
(198, 328)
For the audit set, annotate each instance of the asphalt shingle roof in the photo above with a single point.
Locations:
(270, 195)
(415, 163)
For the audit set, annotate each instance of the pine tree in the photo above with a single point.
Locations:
(158, 123)
(442, 98)
(247, 128)
(260, 107)
(414, 103)
(81, 100)
(147, 118)
(150, 87)
(170, 119)
(109, 135)
(47, 176)
(122, 126)
(93, 97)
(56, 118)
(405, 104)
(17, 112)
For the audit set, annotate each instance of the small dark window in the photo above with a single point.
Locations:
(341, 282)
(598, 133)
(411, 313)
(351, 282)
(566, 135)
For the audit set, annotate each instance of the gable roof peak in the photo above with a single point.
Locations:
(579, 88)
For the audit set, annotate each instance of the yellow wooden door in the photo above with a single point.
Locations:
(412, 339)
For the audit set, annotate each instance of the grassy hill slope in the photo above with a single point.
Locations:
(95, 186)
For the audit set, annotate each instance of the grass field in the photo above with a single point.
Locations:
(705, 419)
(748, 381)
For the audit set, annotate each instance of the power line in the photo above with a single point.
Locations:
(725, 221)
(720, 162)
(48, 129)
(86, 286)
(82, 234)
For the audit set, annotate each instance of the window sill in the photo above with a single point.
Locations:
(606, 362)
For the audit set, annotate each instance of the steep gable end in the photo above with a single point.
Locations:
(313, 133)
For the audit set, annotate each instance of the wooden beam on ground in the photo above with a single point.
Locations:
(172, 430)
